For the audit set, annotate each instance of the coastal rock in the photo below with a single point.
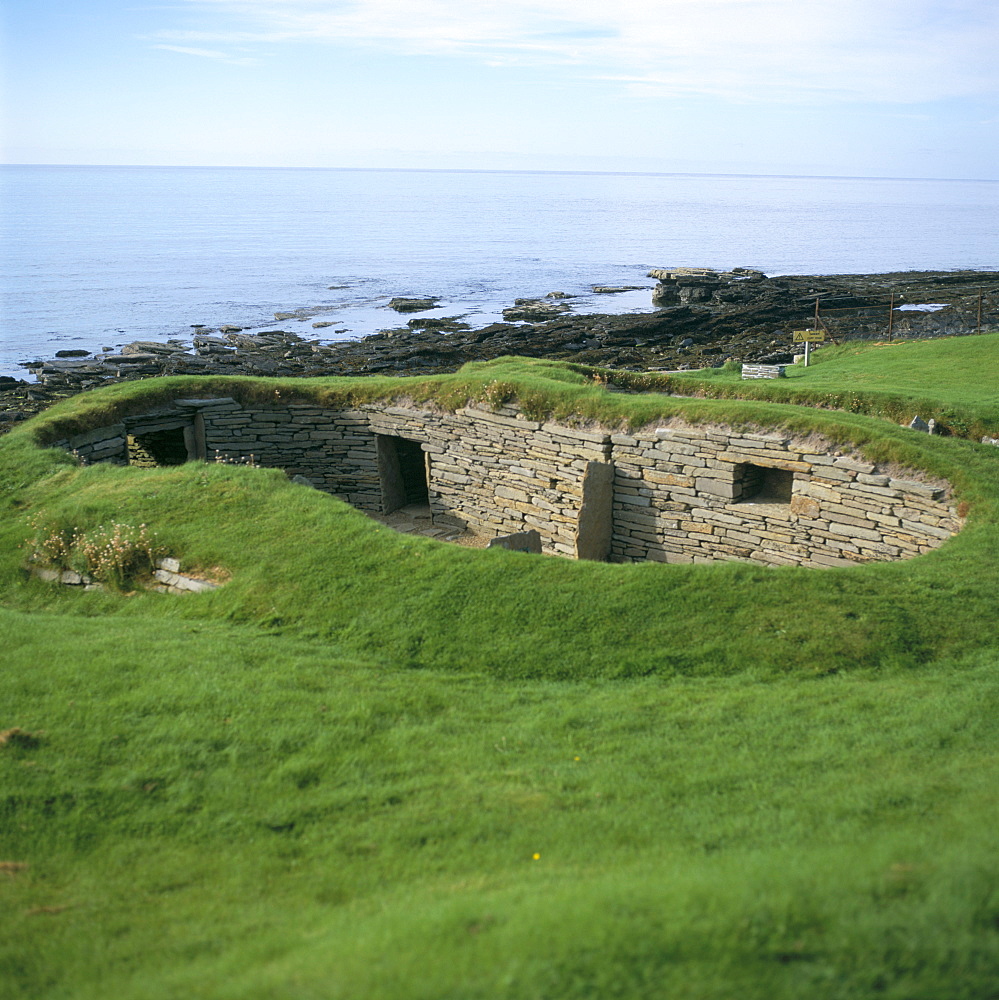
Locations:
(405, 305)
(147, 348)
(533, 310)
(671, 273)
(260, 341)
(442, 324)
(683, 285)
(130, 358)
(748, 317)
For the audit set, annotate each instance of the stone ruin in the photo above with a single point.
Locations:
(675, 494)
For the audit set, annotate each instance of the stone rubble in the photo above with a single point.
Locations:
(169, 579)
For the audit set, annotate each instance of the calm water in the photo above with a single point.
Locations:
(96, 256)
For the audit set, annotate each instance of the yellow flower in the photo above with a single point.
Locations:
(537, 857)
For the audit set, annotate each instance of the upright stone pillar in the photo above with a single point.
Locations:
(595, 525)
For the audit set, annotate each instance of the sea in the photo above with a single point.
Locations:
(96, 257)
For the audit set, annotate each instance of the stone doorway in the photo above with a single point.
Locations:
(165, 447)
(404, 471)
(165, 438)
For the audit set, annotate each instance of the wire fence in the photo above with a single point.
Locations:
(935, 312)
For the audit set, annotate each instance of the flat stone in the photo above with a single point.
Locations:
(201, 404)
(131, 359)
(403, 304)
(521, 541)
(145, 347)
(195, 586)
(804, 506)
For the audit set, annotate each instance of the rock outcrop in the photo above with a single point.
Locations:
(704, 317)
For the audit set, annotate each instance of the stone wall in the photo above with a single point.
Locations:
(690, 495)
(675, 494)
(496, 473)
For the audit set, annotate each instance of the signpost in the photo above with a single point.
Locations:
(808, 337)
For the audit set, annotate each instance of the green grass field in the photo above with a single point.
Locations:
(377, 766)
(949, 380)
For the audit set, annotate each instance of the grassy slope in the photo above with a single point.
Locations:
(958, 368)
(331, 777)
(950, 380)
(216, 814)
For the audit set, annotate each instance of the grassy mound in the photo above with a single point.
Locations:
(374, 765)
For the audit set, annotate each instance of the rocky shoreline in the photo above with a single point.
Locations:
(698, 318)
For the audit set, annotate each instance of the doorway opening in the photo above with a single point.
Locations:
(166, 447)
(404, 470)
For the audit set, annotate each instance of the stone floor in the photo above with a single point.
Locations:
(415, 519)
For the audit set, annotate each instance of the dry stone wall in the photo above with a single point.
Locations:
(691, 495)
(673, 494)
(497, 473)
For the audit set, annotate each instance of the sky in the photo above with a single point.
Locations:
(880, 88)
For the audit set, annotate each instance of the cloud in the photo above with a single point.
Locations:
(870, 50)
(207, 54)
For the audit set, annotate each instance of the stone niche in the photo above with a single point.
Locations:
(762, 484)
(669, 494)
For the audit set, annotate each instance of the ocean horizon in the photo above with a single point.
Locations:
(501, 170)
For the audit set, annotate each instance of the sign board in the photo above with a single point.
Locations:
(808, 336)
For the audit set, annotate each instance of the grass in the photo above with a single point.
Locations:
(901, 367)
(376, 766)
(889, 381)
(213, 814)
